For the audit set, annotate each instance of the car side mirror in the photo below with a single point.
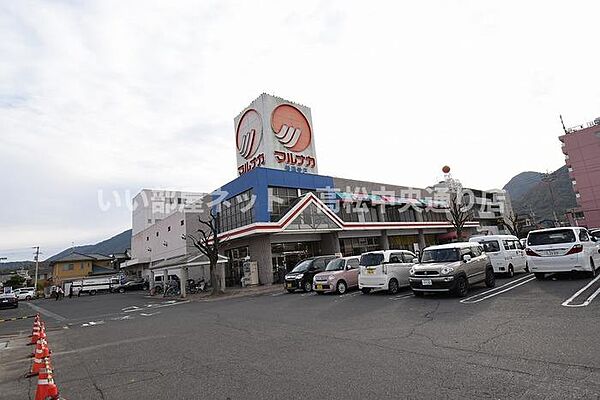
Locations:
(415, 260)
(466, 258)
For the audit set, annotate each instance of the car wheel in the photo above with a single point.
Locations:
(461, 287)
(366, 290)
(307, 286)
(121, 290)
(92, 292)
(341, 287)
(290, 290)
(593, 273)
(490, 278)
(418, 294)
(393, 287)
(540, 275)
(511, 271)
(28, 298)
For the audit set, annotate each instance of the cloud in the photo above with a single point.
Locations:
(120, 95)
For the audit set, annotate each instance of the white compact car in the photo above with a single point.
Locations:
(385, 270)
(26, 293)
(505, 252)
(562, 250)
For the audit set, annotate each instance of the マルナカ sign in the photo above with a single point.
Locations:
(275, 133)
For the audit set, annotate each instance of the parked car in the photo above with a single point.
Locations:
(301, 276)
(453, 268)
(131, 285)
(26, 293)
(562, 250)
(340, 275)
(385, 270)
(9, 300)
(505, 253)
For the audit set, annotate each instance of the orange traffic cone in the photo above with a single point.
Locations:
(38, 363)
(43, 331)
(42, 348)
(36, 325)
(35, 335)
(46, 389)
(38, 347)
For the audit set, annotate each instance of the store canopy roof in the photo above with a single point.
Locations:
(389, 200)
(194, 260)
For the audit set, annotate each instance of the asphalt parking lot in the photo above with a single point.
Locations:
(525, 339)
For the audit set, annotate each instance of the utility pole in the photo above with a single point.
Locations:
(37, 263)
(549, 178)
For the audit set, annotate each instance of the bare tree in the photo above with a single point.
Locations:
(208, 242)
(458, 212)
(514, 223)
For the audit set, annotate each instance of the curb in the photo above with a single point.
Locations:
(16, 318)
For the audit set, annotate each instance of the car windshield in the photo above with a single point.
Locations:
(371, 259)
(596, 234)
(439, 255)
(551, 237)
(490, 246)
(303, 266)
(335, 265)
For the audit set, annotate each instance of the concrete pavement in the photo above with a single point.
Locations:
(514, 342)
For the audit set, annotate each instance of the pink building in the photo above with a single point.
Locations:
(581, 146)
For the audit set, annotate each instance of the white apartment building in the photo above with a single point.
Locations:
(160, 221)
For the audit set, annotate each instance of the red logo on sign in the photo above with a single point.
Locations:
(249, 134)
(291, 128)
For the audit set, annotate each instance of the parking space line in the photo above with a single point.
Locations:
(508, 286)
(400, 297)
(567, 303)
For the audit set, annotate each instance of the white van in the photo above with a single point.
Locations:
(562, 250)
(505, 252)
(385, 270)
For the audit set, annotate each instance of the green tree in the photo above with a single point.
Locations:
(15, 281)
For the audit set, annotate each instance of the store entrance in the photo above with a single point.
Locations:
(287, 255)
(234, 270)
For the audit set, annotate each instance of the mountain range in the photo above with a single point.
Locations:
(540, 195)
(116, 244)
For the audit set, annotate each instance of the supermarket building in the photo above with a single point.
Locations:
(280, 210)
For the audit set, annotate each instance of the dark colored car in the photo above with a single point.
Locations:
(301, 276)
(131, 285)
(8, 300)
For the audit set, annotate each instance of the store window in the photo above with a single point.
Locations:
(400, 214)
(281, 199)
(237, 211)
(357, 246)
(434, 216)
(403, 242)
(358, 212)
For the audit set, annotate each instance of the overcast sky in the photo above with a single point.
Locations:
(124, 95)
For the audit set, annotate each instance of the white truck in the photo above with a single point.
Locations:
(92, 286)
